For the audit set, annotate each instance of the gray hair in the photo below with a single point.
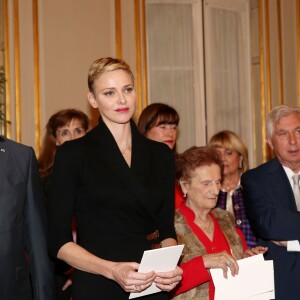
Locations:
(276, 114)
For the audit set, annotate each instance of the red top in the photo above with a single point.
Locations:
(194, 272)
(179, 199)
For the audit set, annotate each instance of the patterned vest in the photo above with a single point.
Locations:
(241, 218)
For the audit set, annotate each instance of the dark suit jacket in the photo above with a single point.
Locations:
(22, 227)
(272, 210)
(115, 206)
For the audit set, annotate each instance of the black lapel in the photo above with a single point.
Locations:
(134, 179)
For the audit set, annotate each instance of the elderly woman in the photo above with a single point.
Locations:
(209, 234)
(234, 156)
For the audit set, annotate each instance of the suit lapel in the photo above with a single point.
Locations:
(134, 179)
(280, 185)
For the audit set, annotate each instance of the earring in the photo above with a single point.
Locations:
(241, 164)
(183, 187)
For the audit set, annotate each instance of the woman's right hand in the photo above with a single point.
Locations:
(126, 275)
(221, 260)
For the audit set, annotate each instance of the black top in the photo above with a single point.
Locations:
(115, 206)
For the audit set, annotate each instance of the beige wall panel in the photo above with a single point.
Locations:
(12, 87)
(289, 51)
(73, 34)
(274, 54)
(128, 34)
(255, 92)
(254, 32)
(27, 73)
(257, 122)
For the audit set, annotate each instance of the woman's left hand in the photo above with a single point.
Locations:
(167, 281)
(255, 251)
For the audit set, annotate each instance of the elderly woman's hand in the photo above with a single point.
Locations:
(255, 251)
(166, 281)
(221, 260)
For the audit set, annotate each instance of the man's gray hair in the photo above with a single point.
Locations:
(276, 114)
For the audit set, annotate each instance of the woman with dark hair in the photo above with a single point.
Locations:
(209, 234)
(65, 125)
(158, 122)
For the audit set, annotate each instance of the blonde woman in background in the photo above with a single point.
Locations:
(234, 156)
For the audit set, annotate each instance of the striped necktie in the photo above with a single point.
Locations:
(296, 190)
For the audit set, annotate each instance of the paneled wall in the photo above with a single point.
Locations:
(49, 46)
(275, 55)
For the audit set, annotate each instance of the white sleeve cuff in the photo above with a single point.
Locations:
(293, 246)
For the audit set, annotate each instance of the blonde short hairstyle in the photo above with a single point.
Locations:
(104, 65)
(229, 140)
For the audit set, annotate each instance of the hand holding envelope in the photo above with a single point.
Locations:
(254, 281)
(158, 260)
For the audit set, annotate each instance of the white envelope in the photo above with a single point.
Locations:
(158, 260)
(255, 280)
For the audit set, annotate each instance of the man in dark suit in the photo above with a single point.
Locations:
(25, 269)
(271, 202)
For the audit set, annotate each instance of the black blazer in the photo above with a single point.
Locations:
(115, 206)
(272, 209)
(22, 227)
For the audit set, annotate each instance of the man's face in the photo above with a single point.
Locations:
(285, 141)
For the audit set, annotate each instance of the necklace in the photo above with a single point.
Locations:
(230, 183)
(124, 154)
(125, 150)
(208, 228)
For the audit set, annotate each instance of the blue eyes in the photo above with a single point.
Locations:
(128, 90)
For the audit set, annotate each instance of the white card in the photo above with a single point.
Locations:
(254, 281)
(158, 260)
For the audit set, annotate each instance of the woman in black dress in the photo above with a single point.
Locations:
(119, 186)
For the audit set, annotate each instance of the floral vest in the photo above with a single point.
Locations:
(193, 247)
